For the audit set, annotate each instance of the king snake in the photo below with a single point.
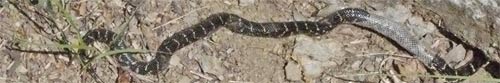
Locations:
(355, 16)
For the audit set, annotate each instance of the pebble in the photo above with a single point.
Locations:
(312, 69)
(318, 50)
(368, 65)
(356, 65)
(244, 3)
(211, 64)
(455, 55)
(293, 72)
(314, 54)
(175, 61)
(419, 27)
(190, 19)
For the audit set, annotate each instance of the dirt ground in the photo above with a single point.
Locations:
(346, 54)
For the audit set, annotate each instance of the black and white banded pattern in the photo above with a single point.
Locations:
(393, 30)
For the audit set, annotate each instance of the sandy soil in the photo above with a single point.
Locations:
(346, 54)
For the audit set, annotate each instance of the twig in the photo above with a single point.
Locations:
(201, 75)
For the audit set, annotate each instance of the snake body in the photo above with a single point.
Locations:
(390, 29)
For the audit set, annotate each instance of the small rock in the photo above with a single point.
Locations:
(455, 55)
(299, 16)
(190, 19)
(314, 54)
(185, 79)
(293, 72)
(419, 27)
(313, 69)
(368, 66)
(175, 61)
(244, 3)
(319, 50)
(211, 64)
(468, 57)
(378, 59)
(356, 65)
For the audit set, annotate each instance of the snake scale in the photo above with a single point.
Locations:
(392, 30)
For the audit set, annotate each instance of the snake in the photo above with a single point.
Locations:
(393, 31)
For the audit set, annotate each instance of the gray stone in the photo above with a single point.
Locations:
(246, 2)
(455, 55)
(293, 72)
(211, 64)
(319, 50)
